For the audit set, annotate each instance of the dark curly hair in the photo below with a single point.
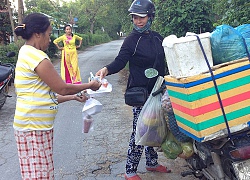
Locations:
(32, 23)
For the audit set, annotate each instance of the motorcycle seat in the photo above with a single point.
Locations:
(5, 71)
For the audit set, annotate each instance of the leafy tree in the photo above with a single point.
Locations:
(43, 6)
(232, 12)
(5, 25)
(172, 16)
(116, 19)
(121, 12)
(59, 14)
(181, 16)
(92, 10)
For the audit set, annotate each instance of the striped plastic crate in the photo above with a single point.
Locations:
(196, 105)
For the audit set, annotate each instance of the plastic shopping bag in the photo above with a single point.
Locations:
(87, 123)
(171, 147)
(151, 127)
(91, 107)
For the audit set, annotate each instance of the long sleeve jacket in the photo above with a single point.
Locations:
(142, 51)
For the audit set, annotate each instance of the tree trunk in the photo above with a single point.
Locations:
(92, 25)
(20, 11)
(92, 28)
(11, 20)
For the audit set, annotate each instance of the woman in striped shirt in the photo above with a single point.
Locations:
(39, 89)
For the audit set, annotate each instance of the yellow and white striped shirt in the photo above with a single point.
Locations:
(36, 105)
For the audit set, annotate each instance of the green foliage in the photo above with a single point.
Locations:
(181, 16)
(59, 15)
(9, 48)
(52, 49)
(233, 12)
(109, 17)
(85, 39)
(43, 6)
(99, 38)
(118, 18)
(5, 26)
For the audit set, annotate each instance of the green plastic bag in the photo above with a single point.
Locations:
(171, 147)
(187, 150)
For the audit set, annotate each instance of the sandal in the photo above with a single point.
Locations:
(159, 168)
(135, 177)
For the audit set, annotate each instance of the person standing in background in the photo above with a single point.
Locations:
(143, 50)
(70, 71)
(39, 90)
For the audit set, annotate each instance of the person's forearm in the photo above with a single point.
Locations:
(61, 99)
(50, 76)
(80, 43)
(60, 48)
(71, 89)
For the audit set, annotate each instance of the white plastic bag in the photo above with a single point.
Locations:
(91, 107)
(151, 129)
(105, 89)
(87, 124)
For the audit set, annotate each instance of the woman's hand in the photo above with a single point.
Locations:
(77, 97)
(58, 47)
(95, 85)
(81, 98)
(102, 73)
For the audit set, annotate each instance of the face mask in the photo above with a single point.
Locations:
(145, 28)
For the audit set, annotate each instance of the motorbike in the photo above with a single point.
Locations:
(225, 157)
(221, 159)
(222, 156)
(7, 75)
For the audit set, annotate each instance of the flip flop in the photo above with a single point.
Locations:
(159, 168)
(135, 177)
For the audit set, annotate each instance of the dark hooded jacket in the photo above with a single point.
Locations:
(142, 51)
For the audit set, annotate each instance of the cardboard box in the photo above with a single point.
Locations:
(184, 56)
(196, 105)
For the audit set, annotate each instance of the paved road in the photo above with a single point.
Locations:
(97, 155)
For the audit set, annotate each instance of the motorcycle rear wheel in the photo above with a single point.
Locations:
(3, 96)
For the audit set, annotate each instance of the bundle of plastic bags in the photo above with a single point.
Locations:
(244, 30)
(172, 148)
(228, 43)
(176, 144)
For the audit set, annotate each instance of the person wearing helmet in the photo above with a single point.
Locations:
(142, 48)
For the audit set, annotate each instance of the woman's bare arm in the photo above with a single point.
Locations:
(50, 76)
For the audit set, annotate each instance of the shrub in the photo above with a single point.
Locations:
(9, 48)
(52, 50)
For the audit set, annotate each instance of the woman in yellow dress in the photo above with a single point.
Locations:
(70, 71)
